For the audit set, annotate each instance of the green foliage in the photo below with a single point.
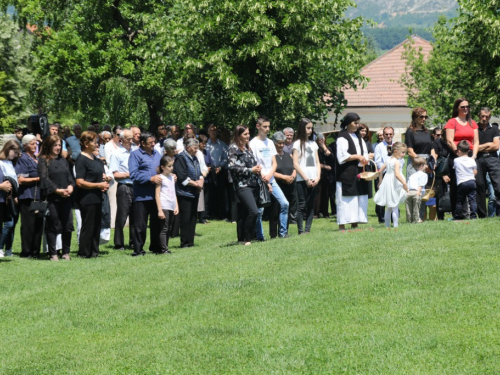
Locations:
(389, 37)
(15, 74)
(464, 62)
(194, 60)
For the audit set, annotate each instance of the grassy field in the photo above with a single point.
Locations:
(422, 299)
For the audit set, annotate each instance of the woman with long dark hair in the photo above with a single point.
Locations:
(244, 171)
(56, 186)
(418, 139)
(8, 160)
(460, 127)
(91, 181)
(29, 190)
(306, 163)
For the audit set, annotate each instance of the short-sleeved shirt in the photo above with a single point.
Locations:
(420, 141)
(119, 163)
(167, 193)
(487, 135)
(263, 152)
(27, 167)
(90, 170)
(418, 179)
(464, 169)
(462, 132)
(307, 160)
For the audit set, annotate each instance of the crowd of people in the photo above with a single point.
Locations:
(171, 181)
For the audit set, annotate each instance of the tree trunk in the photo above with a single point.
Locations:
(154, 107)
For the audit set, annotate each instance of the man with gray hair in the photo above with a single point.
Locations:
(289, 133)
(124, 192)
(73, 142)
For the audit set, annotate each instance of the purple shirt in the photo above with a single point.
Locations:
(142, 167)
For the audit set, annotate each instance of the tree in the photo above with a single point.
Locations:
(199, 60)
(464, 62)
(15, 74)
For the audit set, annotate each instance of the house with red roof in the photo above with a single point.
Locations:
(383, 102)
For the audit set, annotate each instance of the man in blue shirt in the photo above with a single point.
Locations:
(142, 165)
(118, 165)
(74, 141)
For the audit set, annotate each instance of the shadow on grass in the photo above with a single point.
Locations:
(3, 260)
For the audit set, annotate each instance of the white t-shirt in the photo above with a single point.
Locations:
(416, 180)
(167, 193)
(307, 162)
(464, 168)
(263, 152)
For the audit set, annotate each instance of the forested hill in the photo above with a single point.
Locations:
(396, 17)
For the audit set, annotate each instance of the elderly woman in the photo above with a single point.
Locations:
(56, 186)
(105, 137)
(170, 147)
(285, 177)
(352, 193)
(29, 190)
(9, 156)
(188, 187)
(244, 170)
(460, 127)
(91, 181)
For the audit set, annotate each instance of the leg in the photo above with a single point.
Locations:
(124, 203)
(491, 197)
(27, 226)
(471, 196)
(164, 229)
(66, 219)
(154, 227)
(301, 205)
(395, 216)
(78, 216)
(86, 244)
(52, 226)
(387, 217)
(140, 227)
(311, 197)
(460, 198)
(273, 217)
(283, 217)
(409, 207)
(184, 212)
(481, 187)
(417, 203)
(259, 229)
(96, 228)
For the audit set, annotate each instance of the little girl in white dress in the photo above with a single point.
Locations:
(392, 186)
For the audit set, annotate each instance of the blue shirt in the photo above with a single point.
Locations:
(74, 144)
(27, 167)
(119, 163)
(218, 153)
(142, 167)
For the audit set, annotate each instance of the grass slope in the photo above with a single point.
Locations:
(422, 299)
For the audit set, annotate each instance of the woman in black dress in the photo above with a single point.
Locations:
(285, 177)
(56, 185)
(91, 181)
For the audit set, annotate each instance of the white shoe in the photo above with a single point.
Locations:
(1, 254)
(8, 253)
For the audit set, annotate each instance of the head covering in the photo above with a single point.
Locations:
(350, 117)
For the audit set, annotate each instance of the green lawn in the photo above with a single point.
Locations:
(417, 300)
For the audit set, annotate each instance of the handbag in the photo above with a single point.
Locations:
(39, 208)
(442, 166)
(430, 193)
(264, 198)
(444, 203)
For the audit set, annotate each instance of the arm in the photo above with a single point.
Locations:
(411, 153)
(138, 175)
(318, 170)
(82, 184)
(158, 202)
(274, 165)
(176, 211)
(114, 164)
(45, 182)
(399, 176)
(419, 190)
(64, 151)
(21, 168)
(379, 159)
(235, 167)
(296, 165)
(450, 136)
(475, 145)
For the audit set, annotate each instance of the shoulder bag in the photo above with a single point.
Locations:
(39, 208)
(264, 199)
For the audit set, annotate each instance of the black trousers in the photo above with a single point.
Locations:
(322, 198)
(31, 230)
(216, 203)
(166, 226)
(188, 212)
(305, 210)
(379, 210)
(60, 221)
(143, 210)
(232, 204)
(490, 165)
(124, 209)
(466, 190)
(247, 213)
(91, 230)
(290, 192)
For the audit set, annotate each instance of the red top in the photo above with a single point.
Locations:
(462, 132)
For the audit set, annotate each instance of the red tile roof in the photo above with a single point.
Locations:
(384, 89)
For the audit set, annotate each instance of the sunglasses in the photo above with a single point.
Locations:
(465, 107)
(424, 117)
(484, 116)
(388, 134)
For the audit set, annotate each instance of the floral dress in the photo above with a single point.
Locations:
(240, 165)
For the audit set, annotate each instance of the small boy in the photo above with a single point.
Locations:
(416, 187)
(465, 169)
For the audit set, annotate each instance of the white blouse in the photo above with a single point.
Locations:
(343, 146)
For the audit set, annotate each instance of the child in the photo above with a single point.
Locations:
(416, 187)
(166, 201)
(392, 187)
(465, 169)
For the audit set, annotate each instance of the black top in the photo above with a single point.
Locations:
(285, 164)
(440, 148)
(90, 170)
(487, 136)
(240, 165)
(54, 174)
(420, 141)
(27, 167)
(327, 160)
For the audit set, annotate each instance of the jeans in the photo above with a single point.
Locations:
(492, 202)
(8, 230)
(466, 190)
(283, 217)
